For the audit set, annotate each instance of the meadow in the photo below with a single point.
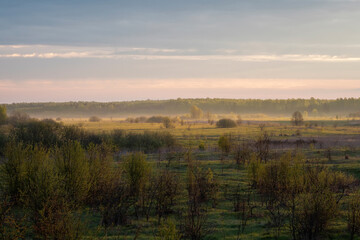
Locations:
(217, 183)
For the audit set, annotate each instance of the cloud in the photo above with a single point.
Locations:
(47, 52)
(123, 89)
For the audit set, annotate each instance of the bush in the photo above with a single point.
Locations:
(224, 144)
(73, 167)
(18, 117)
(155, 119)
(297, 119)
(45, 133)
(168, 123)
(3, 115)
(226, 123)
(94, 119)
(147, 141)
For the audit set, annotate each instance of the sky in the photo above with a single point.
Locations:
(109, 50)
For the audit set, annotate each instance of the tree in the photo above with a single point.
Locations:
(297, 119)
(226, 123)
(196, 112)
(94, 119)
(224, 144)
(3, 115)
(167, 122)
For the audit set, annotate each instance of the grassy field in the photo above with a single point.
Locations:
(338, 136)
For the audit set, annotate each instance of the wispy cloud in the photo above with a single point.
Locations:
(138, 53)
(123, 89)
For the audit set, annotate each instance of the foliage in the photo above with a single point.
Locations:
(94, 119)
(182, 106)
(11, 226)
(297, 118)
(353, 216)
(147, 141)
(196, 112)
(155, 119)
(167, 231)
(225, 143)
(226, 123)
(3, 115)
(45, 133)
(136, 171)
(168, 123)
(73, 168)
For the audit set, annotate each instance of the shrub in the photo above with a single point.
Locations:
(74, 169)
(45, 133)
(167, 122)
(94, 119)
(155, 119)
(136, 170)
(167, 231)
(18, 117)
(196, 112)
(226, 123)
(147, 141)
(297, 119)
(3, 115)
(224, 144)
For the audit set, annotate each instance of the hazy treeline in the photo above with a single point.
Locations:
(182, 106)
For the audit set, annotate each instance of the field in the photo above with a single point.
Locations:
(232, 207)
(339, 137)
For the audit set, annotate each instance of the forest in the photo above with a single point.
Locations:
(144, 180)
(314, 107)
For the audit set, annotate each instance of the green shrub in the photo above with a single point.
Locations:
(94, 119)
(155, 119)
(73, 167)
(224, 144)
(226, 123)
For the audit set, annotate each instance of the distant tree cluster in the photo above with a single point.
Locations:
(312, 106)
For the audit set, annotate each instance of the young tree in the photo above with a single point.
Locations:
(297, 119)
(224, 144)
(137, 174)
(262, 146)
(196, 112)
(3, 115)
(167, 122)
(226, 123)
(353, 215)
(73, 167)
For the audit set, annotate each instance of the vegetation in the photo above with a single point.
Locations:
(145, 181)
(196, 112)
(226, 123)
(94, 119)
(297, 118)
(314, 107)
(3, 115)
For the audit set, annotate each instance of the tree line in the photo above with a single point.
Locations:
(184, 106)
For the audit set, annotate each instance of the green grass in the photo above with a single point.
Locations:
(222, 218)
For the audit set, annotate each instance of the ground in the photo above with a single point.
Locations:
(316, 141)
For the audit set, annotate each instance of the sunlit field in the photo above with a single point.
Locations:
(339, 137)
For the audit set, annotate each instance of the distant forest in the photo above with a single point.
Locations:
(182, 106)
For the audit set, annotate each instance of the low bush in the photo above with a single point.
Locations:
(226, 123)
